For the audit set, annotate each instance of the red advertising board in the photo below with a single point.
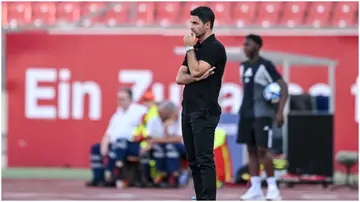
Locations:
(62, 88)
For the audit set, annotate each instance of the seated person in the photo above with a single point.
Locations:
(117, 143)
(165, 143)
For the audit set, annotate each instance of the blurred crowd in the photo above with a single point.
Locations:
(142, 146)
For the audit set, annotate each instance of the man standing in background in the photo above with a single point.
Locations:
(257, 116)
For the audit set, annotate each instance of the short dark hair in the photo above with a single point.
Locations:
(205, 14)
(127, 91)
(256, 38)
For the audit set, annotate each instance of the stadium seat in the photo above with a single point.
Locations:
(43, 13)
(186, 8)
(345, 14)
(92, 8)
(221, 11)
(319, 14)
(243, 13)
(144, 13)
(118, 14)
(322, 103)
(167, 13)
(269, 13)
(67, 12)
(293, 13)
(4, 13)
(18, 13)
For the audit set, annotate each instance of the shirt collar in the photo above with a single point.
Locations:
(210, 38)
(123, 111)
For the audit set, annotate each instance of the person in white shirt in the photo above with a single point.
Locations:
(117, 142)
(166, 143)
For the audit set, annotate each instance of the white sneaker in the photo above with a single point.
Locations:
(273, 194)
(253, 194)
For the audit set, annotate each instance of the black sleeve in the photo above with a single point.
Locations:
(186, 64)
(185, 61)
(274, 74)
(209, 54)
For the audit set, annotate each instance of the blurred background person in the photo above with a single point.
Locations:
(257, 117)
(117, 143)
(165, 144)
(148, 99)
(141, 135)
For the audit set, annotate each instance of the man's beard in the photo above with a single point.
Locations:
(200, 35)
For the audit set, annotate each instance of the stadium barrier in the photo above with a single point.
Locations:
(62, 87)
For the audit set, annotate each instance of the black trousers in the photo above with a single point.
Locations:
(198, 130)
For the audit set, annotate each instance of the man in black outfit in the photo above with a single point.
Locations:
(257, 116)
(201, 73)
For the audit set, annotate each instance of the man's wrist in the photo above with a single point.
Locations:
(189, 48)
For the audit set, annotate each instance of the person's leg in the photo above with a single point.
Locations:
(203, 127)
(188, 138)
(246, 136)
(134, 174)
(145, 163)
(185, 173)
(254, 169)
(97, 167)
(173, 154)
(263, 135)
(172, 158)
(158, 153)
(117, 157)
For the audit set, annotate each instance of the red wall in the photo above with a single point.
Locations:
(61, 135)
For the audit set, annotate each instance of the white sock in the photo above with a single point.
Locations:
(255, 181)
(271, 181)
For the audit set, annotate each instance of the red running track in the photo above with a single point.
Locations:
(75, 190)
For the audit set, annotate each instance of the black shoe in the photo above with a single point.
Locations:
(94, 183)
(110, 184)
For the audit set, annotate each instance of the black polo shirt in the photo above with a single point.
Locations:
(204, 94)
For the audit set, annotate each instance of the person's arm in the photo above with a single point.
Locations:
(167, 138)
(170, 138)
(206, 61)
(177, 137)
(274, 76)
(183, 77)
(151, 128)
(173, 130)
(104, 145)
(160, 140)
(174, 139)
(284, 94)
